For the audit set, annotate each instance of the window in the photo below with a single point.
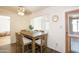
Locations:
(39, 23)
(75, 25)
(4, 23)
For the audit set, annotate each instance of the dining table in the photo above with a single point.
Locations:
(34, 35)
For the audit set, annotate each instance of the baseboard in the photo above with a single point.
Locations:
(54, 50)
(12, 43)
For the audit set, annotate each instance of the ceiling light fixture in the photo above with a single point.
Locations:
(21, 11)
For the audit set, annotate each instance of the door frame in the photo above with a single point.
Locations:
(67, 37)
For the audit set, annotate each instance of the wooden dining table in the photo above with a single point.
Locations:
(36, 35)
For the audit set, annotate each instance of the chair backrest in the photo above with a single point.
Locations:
(19, 39)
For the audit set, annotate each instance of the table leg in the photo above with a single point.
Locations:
(41, 43)
(33, 45)
(44, 43)
(45, 38)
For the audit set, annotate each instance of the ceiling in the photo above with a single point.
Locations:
(35, 8)
(28, 9)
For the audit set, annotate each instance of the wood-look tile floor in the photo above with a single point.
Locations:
(5, 40)
(12, 49)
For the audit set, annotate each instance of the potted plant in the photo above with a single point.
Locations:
(31, 27)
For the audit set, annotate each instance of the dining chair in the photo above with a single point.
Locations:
(21, 41)
(41, 42)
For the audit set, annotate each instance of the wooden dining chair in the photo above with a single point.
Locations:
(21, 41)
(42, 42)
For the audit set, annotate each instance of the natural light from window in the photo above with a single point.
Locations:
(75, 25)
(4, 23)
(39, 23)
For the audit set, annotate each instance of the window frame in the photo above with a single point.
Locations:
(71, 25)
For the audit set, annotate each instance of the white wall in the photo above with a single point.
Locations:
(56, 33)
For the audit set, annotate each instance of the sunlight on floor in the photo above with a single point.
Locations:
(4, 40)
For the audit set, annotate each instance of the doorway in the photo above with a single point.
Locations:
(72, 31)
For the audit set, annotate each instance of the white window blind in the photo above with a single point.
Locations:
(4, 23)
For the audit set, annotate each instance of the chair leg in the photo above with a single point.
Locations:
(17, 48)
(23, 49)
(41, 45)
(27, 47)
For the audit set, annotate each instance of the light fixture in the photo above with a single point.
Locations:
(21, 10)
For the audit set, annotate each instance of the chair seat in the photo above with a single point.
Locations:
(26, 41)
(38, 42)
